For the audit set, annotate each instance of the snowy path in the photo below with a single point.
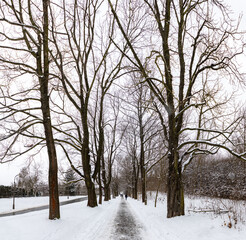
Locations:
(125, 226)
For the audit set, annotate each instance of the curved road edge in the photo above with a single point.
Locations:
(33, 209)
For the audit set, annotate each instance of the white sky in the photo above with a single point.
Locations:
(237, 5)
(10, 170)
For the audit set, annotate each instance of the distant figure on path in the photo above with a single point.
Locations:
(121, 195)
(126, 196)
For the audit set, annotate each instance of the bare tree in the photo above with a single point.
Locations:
(143, 122)
(132, 147)
(29, 179)
(142, 132)
(25, 54)
(184, 50)
(113, 139)
(82, 56)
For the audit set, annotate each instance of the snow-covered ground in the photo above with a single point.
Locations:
(6, 204)
(80, 222)
(202, 224)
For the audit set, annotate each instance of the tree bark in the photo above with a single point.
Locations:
(107, 194)
(175, 193)
(106, 182)
(91, 192)
(92, 199)
(143, 183)
(135, 176)
(100, 187)
(142, 157)
(142, 166)
(54, 210)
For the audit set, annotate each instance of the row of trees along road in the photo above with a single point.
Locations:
(26, 38)
(68, 61)
(68, 49)
(186, 45)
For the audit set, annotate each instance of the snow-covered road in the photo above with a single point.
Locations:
(6, 204)
(33, 209)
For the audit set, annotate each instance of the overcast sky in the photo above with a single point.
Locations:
(10, 170)
(237, 5)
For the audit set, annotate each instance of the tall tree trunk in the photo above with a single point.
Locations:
(133, 185)
(143, 174)
(135, 176)
(107, 195)
(143, 183)
(135, 194)
(92, 199)
(85, 153)
(54, 210)
(175, 192)
(100, 150)
(142, 157)
(175, 195)
(104, 179)
(100, 187)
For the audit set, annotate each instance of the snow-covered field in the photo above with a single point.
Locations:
(78, 222)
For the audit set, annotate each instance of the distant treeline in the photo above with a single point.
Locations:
(8, 191)
(41, 190)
